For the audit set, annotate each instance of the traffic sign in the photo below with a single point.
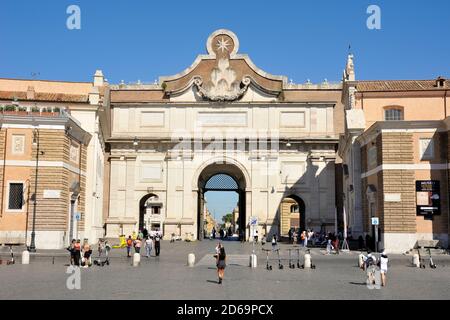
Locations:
(78, 216)
(253, 221)
(375, 221)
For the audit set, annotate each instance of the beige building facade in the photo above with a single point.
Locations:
(222, 115)
(53, 109)
(294, 153)
(395, 159)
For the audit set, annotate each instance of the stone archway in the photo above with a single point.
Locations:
(219, 176)
(292, 213)
(149, 205)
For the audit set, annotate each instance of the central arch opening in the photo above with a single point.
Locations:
(221, 202)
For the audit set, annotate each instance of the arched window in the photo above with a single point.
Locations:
(295, 208)
(393, 114)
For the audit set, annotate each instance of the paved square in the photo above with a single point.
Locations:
(169, 277)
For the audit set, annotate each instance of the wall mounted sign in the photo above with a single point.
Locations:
(52, 194)
(428, 197)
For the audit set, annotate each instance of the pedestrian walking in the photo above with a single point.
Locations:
(77, 252)
(137, 245)
(336, 244)
(274, 243)
(87, 252)
(221, 264)
(304, 239)
(290, 235)
(71, 249)
(129, 244)
(329, 246)
(157, 244)
(145, 233)
(148, 246)
(383, 267)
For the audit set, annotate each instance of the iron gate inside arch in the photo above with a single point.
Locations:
(221, 182)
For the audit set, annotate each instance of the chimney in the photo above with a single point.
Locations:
(30, 93)
(98, 78)
(440, 82)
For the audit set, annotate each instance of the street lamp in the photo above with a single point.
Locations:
(345, 246)
(32, 247)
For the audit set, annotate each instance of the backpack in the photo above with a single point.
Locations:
(129, 242)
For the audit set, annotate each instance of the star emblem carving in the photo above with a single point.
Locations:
(223, 44)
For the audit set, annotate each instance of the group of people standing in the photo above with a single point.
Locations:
(300, 237)
(223, 233)
(150, 241)
(80, 255)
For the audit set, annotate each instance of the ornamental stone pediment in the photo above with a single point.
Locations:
(222, 74)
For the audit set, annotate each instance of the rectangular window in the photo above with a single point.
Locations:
(426, 148)
(393, 115)
(155, 210)
(15, 196)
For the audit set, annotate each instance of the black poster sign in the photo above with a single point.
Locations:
(428, 197)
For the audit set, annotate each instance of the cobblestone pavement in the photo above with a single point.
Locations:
(169, 277)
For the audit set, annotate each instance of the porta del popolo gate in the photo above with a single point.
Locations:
(222, 115)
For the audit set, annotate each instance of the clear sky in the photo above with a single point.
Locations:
(142, 40)
(221, 202)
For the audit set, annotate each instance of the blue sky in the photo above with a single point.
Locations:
(142, 40)
(221, 203)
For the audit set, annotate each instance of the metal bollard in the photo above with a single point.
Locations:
(191, 259)
(25, 257)
(415, 260)
(136, 259)
(253, 261)
(307, 260)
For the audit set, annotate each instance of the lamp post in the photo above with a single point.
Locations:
(345, 246)
(32, 247)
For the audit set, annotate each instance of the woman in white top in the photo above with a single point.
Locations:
(383, 267)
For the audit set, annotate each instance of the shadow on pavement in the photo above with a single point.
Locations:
(211, 281)
(358, 283)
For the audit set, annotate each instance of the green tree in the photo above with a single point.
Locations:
(227, 218)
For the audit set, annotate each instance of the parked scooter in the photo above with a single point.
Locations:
(421, 262)
(268, 267)
(280, 266)
(432, 264)
(291, 264)
(12, 261)
(298, 257)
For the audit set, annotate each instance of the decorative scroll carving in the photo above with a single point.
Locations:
(224, 86)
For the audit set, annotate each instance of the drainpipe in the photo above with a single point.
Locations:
(4, 167)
